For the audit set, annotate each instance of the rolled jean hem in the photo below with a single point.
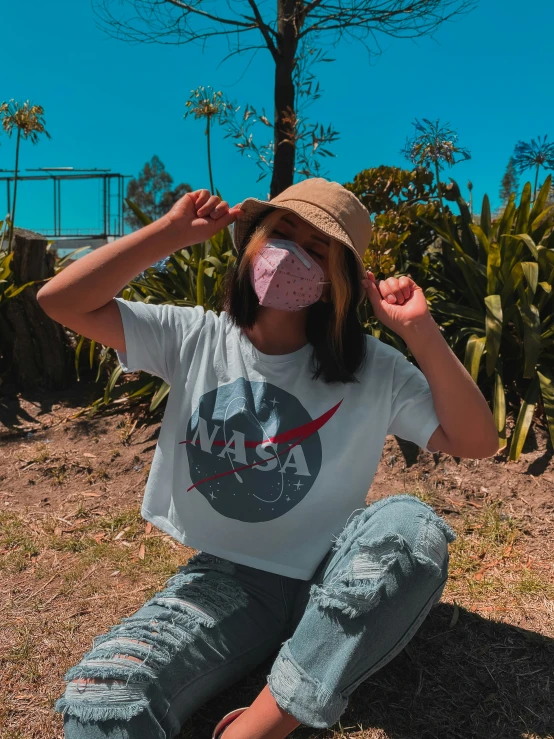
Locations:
(305, 698)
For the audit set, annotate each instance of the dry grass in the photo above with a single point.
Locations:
(470, 671)
(63, 582)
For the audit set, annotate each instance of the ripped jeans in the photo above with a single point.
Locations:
(216, 620)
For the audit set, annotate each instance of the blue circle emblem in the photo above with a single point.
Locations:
(253, 450)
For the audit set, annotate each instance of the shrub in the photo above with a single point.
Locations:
(397, 199)
(491, 291)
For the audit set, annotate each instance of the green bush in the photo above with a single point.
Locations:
(490, 289)
(398, 200)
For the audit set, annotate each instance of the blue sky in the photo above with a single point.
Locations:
(111, 104)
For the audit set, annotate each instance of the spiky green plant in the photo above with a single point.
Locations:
(492, 293)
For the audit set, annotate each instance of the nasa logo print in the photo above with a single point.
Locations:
(253, 450)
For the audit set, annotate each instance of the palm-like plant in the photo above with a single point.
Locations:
(205, 102)
(29, 122)
(535, 154)
(434, 145)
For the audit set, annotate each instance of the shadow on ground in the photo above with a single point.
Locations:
(479, 679)
(20, 409)
(13, 412)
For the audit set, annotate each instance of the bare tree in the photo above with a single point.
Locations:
(247, 26)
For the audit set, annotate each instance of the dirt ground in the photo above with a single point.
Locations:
(76, 557)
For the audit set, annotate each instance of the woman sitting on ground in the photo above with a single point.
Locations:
(274, 426)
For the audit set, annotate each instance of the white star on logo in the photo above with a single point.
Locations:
(298, 485)
(212, 496)
(274, 401)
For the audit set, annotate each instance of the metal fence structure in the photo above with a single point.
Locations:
(112, 224)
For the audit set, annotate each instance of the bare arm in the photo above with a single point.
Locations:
(467, 427)
(82, 295)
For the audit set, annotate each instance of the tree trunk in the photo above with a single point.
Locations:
(40, 352)
(284, 127)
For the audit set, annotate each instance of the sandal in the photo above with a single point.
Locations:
(225, 721)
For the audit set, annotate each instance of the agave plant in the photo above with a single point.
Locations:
(493, 297)
(188, 277)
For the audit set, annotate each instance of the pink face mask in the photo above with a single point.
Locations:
(285, 276)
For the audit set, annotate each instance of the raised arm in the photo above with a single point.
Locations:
(82, 295)
(467, 427)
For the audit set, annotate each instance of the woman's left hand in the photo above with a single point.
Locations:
(397, 302)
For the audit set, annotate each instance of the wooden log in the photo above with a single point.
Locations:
(41, 354)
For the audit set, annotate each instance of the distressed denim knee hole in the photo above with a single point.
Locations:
(205, 600)
(113, 680)
(95, 699)
(431, 547)
(372, 574)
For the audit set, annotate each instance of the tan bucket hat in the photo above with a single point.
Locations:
(328, 206)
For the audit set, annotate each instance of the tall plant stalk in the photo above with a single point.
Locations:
(209, 154)
(29, 121)
(438, 178)
(12, 214)
(204, 102)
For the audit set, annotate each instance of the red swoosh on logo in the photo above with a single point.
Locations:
(300, 434)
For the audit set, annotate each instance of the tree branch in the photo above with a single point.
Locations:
(240, 50)
(154, 21)
(265, 30)
(308, 9)
(192, 9)
(175, 30)
(396, 18)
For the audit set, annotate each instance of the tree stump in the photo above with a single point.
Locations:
(41, 355)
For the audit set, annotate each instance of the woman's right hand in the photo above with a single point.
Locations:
(198, 216)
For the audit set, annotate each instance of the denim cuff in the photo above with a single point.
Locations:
(305, 698)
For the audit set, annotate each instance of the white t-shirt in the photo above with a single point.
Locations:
(256, 462)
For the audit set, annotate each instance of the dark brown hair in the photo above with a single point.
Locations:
(333, 328)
